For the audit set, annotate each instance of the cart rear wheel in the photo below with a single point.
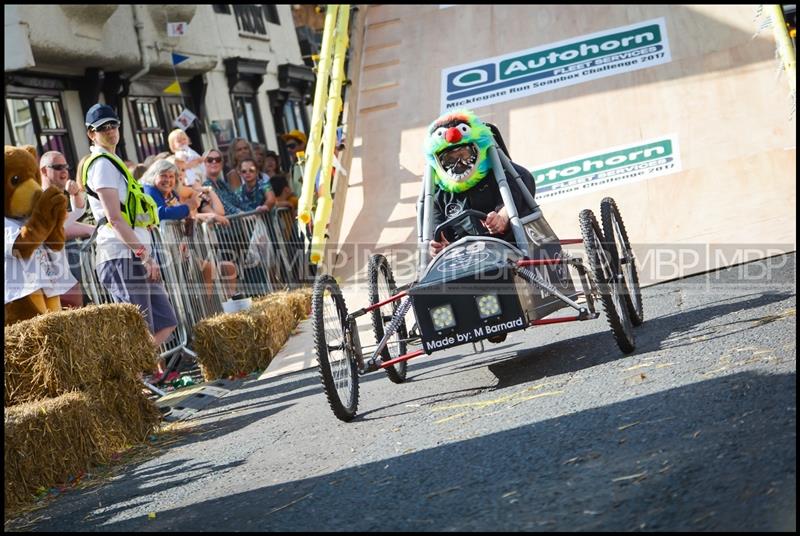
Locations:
(611, 291)
(382, 287)
(623, 257)
(337, 363)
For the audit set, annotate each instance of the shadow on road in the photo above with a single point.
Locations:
(719, 454)
(668, 331)
(511, 364)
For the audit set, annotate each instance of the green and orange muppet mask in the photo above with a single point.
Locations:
(456, 148)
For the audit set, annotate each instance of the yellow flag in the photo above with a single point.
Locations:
(174, 88)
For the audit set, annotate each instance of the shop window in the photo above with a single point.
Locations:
(271, 13)
(153, 120)
(251, 19)
(39, 121)
(148, 126)
(174, 106)
(247, 118)
(288, 103)
(288, 113)
(293, 118)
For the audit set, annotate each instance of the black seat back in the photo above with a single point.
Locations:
(498, 139)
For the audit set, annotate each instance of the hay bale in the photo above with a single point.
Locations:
(46, 442)
(125, 414)
(230, 344)
(81, 349)
(298, 301)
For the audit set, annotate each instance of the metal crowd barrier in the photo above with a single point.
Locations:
(292, 245)
(264, 248)
(197, 275)
(171, 349)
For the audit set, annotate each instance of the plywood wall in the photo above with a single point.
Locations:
(718, 97)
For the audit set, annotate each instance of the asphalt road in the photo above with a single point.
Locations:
(552, 430)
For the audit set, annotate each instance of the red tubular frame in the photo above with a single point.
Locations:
(404, 357)
(554, 320)
(533, 262)
(384, 302)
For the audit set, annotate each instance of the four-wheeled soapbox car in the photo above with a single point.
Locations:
(477, 288)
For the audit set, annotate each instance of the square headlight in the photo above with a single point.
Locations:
(488, 305)
(443, 317)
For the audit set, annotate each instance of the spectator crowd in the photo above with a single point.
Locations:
(178, 184)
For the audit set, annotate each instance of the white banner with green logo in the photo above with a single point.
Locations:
(556, 65)
(609, 167)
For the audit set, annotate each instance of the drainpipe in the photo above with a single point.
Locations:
(139, 27)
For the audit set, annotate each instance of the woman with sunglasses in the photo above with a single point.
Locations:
(212, 163)
(239, 149)
(254, 193)
(126, 266)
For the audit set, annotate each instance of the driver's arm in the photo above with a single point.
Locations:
(438, 243)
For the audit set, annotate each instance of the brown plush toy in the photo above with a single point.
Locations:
(41, 215)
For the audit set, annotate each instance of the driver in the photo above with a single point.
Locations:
(457, 149)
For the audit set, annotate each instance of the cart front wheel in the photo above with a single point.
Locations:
(332, 344)
(611, 289)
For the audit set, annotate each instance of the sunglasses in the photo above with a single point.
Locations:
(111, 125)
(59, 167)
(249, 170)
(212, 160)
(461, 156)
(291, 145)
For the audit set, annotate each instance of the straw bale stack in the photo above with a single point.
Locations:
(46, 442)
(231, 344)
(126, 414)
(51, 354)
(72, 393)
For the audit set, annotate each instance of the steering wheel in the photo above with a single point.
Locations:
(482, 231)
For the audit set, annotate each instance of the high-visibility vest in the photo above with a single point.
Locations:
(139, 209)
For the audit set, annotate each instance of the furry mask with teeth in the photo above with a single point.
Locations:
(456, 147)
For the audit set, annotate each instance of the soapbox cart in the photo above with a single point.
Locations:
(477, 288)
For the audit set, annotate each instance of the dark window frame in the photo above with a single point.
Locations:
(279, 98)
(252, 19)
(271, 13)
(141, 130)
(259, 128)
(165, 116)
(34, 97)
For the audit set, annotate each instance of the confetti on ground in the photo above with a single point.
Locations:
(457, 415)
(626, 426)
(629, 477)
(442, 492)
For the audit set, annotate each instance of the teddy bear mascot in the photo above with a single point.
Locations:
(34, 222)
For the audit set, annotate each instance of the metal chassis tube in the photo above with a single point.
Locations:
(584, 313)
